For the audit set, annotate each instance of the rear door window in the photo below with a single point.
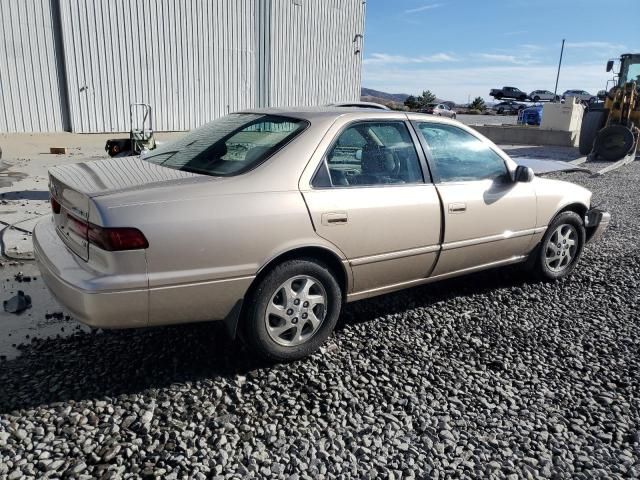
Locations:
(371, 153)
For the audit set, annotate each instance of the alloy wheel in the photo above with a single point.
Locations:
(296, 310)
(561, 248)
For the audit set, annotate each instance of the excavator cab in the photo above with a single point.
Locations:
(611, 128)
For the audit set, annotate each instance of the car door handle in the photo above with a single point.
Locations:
(457, 207)
(335, 218)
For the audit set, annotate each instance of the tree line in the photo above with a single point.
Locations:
(427, 97)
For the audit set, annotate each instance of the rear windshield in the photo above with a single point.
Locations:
(229, 145)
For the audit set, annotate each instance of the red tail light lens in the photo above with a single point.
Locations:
(55, 206)
(117, 239)
(109, 239)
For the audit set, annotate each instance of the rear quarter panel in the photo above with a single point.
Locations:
(205, 251)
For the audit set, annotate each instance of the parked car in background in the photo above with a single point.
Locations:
(509, 107)
(508, 92)
(369, 105)
(543, 96)
(530, 115)
(269, 220)
(439, 110)
(581, 95)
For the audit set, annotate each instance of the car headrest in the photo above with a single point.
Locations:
(255, 153)
(377, 160)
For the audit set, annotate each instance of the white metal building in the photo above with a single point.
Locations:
(76, 65)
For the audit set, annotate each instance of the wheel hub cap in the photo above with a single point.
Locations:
(296, 310)
(561, 248)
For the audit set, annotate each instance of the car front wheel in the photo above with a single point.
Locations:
(561, 247)
(293, 310)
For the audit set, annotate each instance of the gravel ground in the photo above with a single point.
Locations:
(487, 376)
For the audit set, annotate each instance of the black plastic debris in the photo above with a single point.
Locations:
(17, 303)
(21, 277)
(55, 315)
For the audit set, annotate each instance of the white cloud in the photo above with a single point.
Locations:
(516, 60)
(458, 83)
(532, 47)
(386, 59)
(596, 45)
(424, 7)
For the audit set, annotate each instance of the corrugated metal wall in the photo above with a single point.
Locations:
(31, 74)
(315, 51)
(192, 61)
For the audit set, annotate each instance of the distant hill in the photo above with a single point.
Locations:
(393, 97)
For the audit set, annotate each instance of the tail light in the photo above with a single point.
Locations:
(111, 239)
(55, 206)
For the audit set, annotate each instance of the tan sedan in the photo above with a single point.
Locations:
(270, 220)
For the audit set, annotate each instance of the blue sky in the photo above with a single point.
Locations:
(462, 48)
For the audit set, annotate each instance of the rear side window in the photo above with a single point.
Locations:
(371, 153)
(459, 156)
(229, 145)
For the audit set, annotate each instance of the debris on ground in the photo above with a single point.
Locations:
(21, 277)
(58, 150)
(17, 303)
(54, 315)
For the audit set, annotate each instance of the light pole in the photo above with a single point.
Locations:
(555, 91)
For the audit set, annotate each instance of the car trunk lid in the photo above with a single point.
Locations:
(73, 186)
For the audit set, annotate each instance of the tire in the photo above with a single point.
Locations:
(498, 96)
(500, 111)
(454, 116)
(522, 98)
(289, 333)
(536, 98)
(592, 122)
(614, 143)
(552, 262)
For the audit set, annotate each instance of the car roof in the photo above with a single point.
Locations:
(326, 113)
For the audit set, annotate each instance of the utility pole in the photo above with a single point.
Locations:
(555, 91)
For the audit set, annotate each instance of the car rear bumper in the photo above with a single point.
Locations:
(72, 285)
(596, 223)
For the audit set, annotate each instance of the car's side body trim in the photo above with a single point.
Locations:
(492, 238)
(421, 281)
(394, 255)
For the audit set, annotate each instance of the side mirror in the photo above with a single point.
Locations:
(609, 65)
(523, 174)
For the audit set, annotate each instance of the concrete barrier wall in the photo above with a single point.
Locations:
(522, 135)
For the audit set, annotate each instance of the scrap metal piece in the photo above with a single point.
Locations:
(18, 303)
(541, 166)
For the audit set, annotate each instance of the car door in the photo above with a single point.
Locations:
(371, 196)
(488, 218)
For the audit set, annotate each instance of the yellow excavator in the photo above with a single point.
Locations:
(611, 127)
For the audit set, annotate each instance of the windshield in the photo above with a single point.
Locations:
(229, 145)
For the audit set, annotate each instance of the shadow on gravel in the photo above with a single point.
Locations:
(111, 363)
(26, 195)
(427, 295)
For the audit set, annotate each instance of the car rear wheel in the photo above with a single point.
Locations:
(536, 98)
(561, 247)
(500, 111)
(293, 310)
